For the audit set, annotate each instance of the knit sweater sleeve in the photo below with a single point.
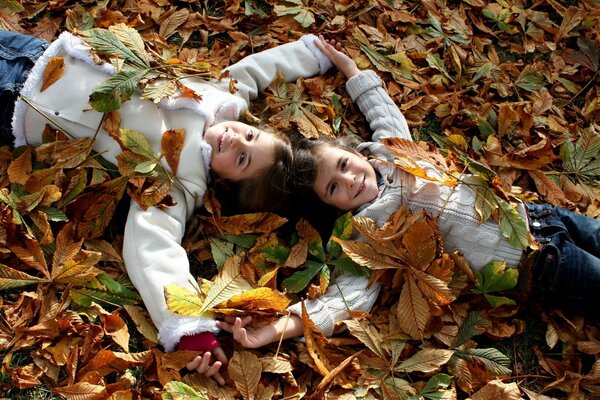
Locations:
(383, 115)
(347, 292)
(293, 60)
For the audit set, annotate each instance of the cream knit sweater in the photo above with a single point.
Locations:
(454, 207)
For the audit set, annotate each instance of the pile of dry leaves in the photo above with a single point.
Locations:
(509, 89)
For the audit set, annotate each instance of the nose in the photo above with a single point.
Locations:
(347, 179)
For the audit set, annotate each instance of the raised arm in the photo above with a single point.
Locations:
(301, 58)
(366, 90)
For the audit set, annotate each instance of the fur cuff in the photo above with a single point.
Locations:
(174, 328)
(322, 59)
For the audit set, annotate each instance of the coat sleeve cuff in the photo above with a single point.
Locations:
(204, 341)
(322, 59)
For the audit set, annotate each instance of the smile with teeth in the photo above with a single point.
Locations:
(361, 187)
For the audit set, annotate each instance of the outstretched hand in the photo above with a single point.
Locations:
(333, 50)
(253, 337)
(202, 364)
(248, 337)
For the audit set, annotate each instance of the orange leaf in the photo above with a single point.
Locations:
(171, 144)
(259, 299)
(20, 169)
(53, 72)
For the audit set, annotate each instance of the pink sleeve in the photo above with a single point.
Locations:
(203, 341)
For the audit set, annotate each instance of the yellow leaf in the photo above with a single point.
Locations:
(183, 301)
(259, 299)
(228, 283)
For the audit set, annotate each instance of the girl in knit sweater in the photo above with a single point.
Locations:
(566, 269)
(214, 140)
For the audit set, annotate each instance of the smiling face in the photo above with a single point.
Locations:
(345, 179)
(239, 151)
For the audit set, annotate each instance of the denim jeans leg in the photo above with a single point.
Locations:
(567, 269)
(18, 54)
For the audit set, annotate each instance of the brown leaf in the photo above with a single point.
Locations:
(111, 122)
(498, 390)
(412, 309)
(53, 72)
(83, 391)
(245, 368)
(172, 144)
(421, 245)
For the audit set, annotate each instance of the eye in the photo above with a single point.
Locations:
(344, 164)
(250, 135)
(241, 158)
(332, 188)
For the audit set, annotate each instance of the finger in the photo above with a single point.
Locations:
(192, 365)
(246, 320)
(219, 354)
(213, 370)
(219, 378)
(204, 364)
(225, 326)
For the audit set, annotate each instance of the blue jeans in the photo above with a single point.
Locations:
(18, 53)
(566, 270)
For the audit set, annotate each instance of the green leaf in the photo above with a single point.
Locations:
(436, 62)
(277, 253)
(299, 280)
(12, 278)
(105, 290)
(472, 326)
(243, 240)
(305, 18)
(106, 42)
(497, 301)
(342, 229)
(530, 80)
(221, 250)
(436, 389)
(133, 41)
(484, 71)
(495, 277)
(13, 5)
(146, 167)
(54, 214)
(512, 225)
(493, 360)
(137, 143)
(109, 95)
(348, 265)
(180, 391)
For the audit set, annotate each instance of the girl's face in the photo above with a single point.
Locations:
(239, 151)
(345, 179)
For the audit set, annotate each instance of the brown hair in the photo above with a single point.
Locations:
(305, 167)
(268, 190)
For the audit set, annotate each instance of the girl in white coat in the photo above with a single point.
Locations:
(234, 151)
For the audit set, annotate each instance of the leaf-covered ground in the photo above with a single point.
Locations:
(510, 87)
